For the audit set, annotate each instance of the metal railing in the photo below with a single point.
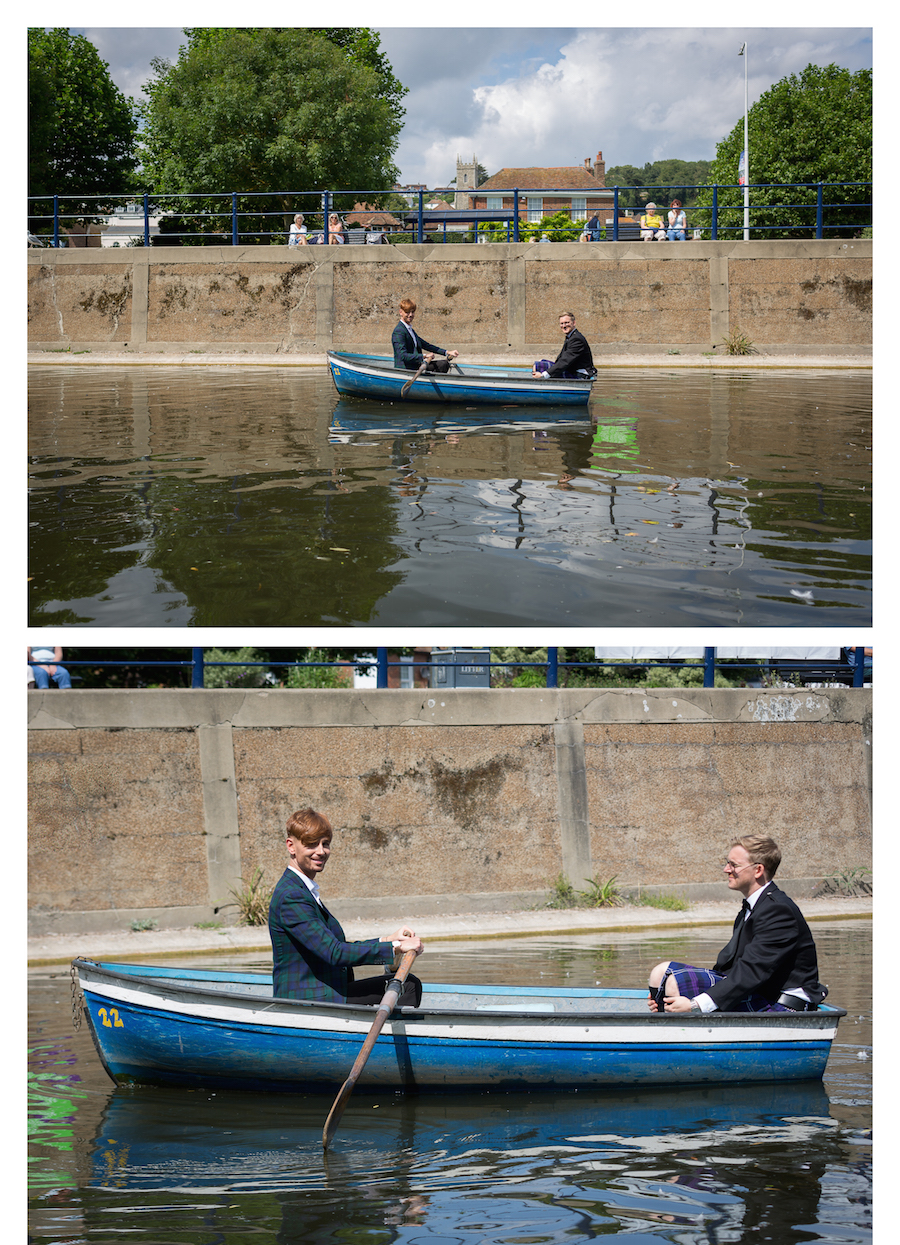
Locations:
(854, 666)
(48, 212)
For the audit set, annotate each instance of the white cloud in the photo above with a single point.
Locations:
(128, 50)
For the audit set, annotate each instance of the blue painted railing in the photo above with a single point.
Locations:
(709, 663)
(51, 210)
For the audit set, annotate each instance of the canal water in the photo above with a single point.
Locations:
(182, 497)
(784, 1164)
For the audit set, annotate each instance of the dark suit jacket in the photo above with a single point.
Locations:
(405, 354)
(774, 952)
(575, 353)
(313, 960)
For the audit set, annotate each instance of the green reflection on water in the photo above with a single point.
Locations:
(52, 1107)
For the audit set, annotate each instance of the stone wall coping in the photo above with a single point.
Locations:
(776, 248)
(117, 709)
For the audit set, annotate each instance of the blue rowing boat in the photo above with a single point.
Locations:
(220, 1028)
(375, 376)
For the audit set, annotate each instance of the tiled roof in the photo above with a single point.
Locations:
(565, 178)
(362, 214)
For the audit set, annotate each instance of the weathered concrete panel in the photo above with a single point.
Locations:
(79, 302)
(640, 301)
(792, 300)
(413, 808)
(231, 301)
(720, 783)
(458, 300)
(125, 812)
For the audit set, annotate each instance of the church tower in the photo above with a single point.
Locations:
(466, 181)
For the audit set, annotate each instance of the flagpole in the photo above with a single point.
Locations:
(743, 52)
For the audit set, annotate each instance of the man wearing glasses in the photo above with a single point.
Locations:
(769, 965)
(575, 358)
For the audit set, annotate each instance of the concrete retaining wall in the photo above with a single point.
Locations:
(814, 296)
(156, 803)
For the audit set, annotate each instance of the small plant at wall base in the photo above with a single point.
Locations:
(737, 342)
(251, 901)
(602, 894)
(142, 926)
(847, 882)
(667, 901)
(564, 894)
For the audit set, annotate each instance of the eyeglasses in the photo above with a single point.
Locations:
(733, 868)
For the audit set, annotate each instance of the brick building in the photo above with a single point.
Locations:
(580, 190)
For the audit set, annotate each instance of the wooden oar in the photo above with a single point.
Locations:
(387, 1005)
(405, 390)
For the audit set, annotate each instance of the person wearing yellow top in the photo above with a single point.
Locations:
(652, 225)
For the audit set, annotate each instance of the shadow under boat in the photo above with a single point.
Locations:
(352, 417)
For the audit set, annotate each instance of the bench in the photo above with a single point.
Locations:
(355, 235)
(807, 672)
(630, 232)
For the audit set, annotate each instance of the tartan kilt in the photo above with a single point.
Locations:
(692, 981)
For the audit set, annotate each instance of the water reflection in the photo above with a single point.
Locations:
(182, 497)
(564, 1165)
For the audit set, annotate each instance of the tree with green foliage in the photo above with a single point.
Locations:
(662, 180)
(81, 128)
(812, 127)
(271, 110)
(579, 667)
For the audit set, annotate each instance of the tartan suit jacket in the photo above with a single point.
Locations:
(772, 952)
(313, 959)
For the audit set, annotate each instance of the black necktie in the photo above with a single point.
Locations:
(728, 954)
(745, 910)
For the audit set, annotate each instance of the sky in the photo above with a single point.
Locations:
(516, 97)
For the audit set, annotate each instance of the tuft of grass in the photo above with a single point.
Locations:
(142, 925)
(251, 900)
(737, 342)
(667, 901)
(564, 894)
(602, 894)
(208, 925)
(846, 882)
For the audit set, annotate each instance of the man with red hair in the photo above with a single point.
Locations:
(412, 352)
(312, 957)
